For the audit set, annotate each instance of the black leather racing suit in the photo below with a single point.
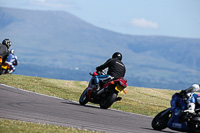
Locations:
(116, 68)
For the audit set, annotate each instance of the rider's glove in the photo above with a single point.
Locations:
(99, 72)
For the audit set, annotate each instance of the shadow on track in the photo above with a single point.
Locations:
(159, 131)
(77, 104)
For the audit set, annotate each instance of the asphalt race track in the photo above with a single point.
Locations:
(23, 105)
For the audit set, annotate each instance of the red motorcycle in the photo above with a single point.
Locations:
(106, 95)
(5, 68)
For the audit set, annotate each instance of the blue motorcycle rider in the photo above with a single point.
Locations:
(187, 105)
(12, 61)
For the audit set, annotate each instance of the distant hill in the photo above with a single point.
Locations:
(61, 44)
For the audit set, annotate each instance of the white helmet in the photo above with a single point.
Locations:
(195, 87)
(12, 51)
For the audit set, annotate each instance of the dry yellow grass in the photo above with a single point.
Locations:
(14, 126)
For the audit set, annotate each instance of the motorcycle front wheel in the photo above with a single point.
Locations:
(107, 102)
(160, 122)
(83, 98)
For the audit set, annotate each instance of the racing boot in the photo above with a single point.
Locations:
(191, 108)
(11, 71)
(118, 99)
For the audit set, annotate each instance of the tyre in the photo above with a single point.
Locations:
(194, 126)
(160, 122)
(83, 98)
(106, 103)
(4, 71)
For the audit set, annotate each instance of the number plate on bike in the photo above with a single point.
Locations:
(119, 88)
(0, 59)
(4, 66)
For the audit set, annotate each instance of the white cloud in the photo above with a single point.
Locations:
(144, 23)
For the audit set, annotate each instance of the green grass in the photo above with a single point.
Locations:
(138, 100)
(14, 126)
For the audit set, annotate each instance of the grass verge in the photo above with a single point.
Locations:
(14, 126)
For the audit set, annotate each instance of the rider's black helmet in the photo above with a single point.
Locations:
(117, 55)
(7, 42)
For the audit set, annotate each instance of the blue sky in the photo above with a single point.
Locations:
(176, 18)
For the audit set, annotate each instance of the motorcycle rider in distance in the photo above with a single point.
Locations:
(4, 52)
(189, 92)
(12, 61)
(116, 69)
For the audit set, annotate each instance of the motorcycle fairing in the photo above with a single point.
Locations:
(90, 88)
(175, 122)
(197, 99)
(121, 81)
(196, 118)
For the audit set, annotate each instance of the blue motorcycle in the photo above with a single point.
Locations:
(176, 119)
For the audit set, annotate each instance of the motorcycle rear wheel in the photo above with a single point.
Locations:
(83, 98)
(159, 122)
(4, 71)
(106, 103)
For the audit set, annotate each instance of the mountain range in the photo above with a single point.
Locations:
(57, 44)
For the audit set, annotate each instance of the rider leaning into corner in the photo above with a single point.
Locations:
(4, 52)
(12, 60)
(189, 92)
(190, 97)
(116, 69)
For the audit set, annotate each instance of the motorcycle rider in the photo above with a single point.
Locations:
(12, 61)
(191, 97)
(188, 95)
(116, 69)
(4, 52)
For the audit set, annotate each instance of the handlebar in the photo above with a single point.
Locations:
(91, 74)
(97, 73)
(101, 72)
